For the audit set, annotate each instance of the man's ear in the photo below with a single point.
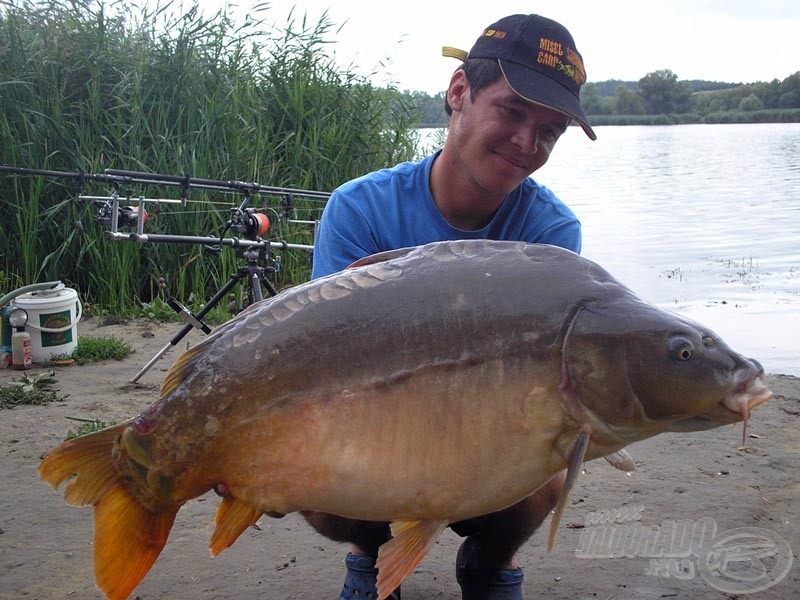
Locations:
(458, 90)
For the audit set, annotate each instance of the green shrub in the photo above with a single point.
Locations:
(106, 347)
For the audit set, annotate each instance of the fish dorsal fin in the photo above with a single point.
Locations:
(177, 372)
(380, 257)
(233, 517)
(574, 463)
(621, 460)
(410, 542)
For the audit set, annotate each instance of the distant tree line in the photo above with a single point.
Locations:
(429, 110)
(660, 98)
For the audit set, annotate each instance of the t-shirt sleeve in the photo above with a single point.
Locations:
(565, 233)
(344, 235)
(552, 222)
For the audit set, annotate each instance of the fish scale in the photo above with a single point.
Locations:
(421, 386)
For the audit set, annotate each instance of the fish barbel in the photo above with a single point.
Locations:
(422, 386)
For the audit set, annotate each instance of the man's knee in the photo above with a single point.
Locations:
(535, 508)
(367, 535)
(548, 495)
(500, 534)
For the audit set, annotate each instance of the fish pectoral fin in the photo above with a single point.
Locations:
(233, 517)
(410, 542)
(574, 462)
(621, 460)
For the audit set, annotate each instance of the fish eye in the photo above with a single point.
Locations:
(681, 349)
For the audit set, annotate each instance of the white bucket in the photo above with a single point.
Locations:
(53, 317)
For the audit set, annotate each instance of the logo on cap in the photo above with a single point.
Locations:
(550, 54)
(494, 33)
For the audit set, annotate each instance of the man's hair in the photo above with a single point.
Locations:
(480, 72)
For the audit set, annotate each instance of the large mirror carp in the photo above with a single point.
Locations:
(422, 386)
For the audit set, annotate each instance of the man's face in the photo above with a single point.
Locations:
(500, 138)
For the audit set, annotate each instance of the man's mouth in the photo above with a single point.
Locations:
(515, 161)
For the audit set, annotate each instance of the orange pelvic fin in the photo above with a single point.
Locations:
(410, 542)
(127, 536)
(574, 463)
(233, 517)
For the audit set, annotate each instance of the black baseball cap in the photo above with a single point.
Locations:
(539, 61)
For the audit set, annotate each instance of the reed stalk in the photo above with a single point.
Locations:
(86, 86)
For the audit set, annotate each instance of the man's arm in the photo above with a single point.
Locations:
(566, 234)
(344, 236)
(551, 221)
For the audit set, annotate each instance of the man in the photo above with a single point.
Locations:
(509, 102)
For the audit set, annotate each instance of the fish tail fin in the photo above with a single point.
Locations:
(128, 537)
(127, 540)
(86, 460)
(233, 517)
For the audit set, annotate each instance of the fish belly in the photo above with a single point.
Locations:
(437, 444)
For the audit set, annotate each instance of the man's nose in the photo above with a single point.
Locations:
(527, 139)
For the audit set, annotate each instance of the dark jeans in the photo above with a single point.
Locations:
(499, 534)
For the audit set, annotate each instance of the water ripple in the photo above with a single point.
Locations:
(701, 219)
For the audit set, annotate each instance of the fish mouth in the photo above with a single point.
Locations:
(734, 407)
(754, 393)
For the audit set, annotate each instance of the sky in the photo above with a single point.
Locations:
(400, 42)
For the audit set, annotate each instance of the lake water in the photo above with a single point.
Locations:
(700, 219)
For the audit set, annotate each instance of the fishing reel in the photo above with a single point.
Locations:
(248, 222)
(127, 216)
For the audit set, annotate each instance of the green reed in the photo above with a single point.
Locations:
(86, 86)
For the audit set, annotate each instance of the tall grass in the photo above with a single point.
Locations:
(86, 86)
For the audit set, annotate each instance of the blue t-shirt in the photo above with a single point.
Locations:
(393, 208)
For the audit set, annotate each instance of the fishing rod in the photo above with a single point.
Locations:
(248, 225)
(211, 241)
(244, 220)
(187, 182)
(119, 176)
(81, 176)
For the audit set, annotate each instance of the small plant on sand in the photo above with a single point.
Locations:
(32, 390)
(157, 310)
(87, 426)
(101, 348)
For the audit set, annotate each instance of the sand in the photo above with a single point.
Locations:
(700, 478)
